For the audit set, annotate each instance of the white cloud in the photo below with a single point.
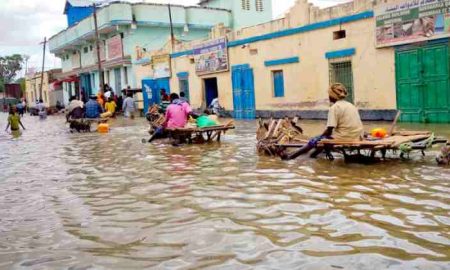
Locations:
(25, 23)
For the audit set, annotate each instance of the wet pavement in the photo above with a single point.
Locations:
(107, 201)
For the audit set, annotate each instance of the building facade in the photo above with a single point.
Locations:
(128, 31)
(284, 67)
(51, 88)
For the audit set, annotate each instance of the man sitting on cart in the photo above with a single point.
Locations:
(177, 114)
(344, 122)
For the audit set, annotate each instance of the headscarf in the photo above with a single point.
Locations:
(337, 91)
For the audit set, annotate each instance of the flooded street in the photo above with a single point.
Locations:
(92, 201)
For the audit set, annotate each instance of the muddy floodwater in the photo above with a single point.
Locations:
(92, 201)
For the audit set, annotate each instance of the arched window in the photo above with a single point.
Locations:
(245, 4)
(259, 5)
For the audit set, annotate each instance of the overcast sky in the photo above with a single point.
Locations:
(24, 23)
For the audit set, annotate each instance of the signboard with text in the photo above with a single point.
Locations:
(114, 46)
(412, 21)
(211, 57)
(161, 66)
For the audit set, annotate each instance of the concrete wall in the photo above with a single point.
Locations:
(305, 83)
(243, 17)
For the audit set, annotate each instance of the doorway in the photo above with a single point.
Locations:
(422, 78)
(211, 90)
(243, 92)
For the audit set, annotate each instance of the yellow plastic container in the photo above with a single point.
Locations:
(103, 128)
(379, 133)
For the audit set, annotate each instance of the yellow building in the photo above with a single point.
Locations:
(50, 93)
(284, 67)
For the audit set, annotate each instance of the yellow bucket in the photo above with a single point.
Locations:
(103, 128)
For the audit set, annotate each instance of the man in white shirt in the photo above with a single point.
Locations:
(344, 122)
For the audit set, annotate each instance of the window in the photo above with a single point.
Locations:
(184, 86)
(278, 83)
(339, 34)
(86, 49)
(245, 4)
(90, 48)
(259, 5)
(341, 72)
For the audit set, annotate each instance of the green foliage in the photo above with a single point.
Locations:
(9, 66)
(2, 85)
(21, 81)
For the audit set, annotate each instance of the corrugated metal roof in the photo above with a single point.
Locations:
(80, 3)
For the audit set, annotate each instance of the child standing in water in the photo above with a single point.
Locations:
(14, 120)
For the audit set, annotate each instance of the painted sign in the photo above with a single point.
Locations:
(114, 46)
(161, 66)
(141, 56)
(412, 21)
(211, 56)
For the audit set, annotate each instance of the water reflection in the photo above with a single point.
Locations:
(108, 201)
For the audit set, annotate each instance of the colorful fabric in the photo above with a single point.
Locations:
(111, 106)
(177, 115)
(14, 121)
(314, 141)
(93, 109)
(337, 91)
(344, 118)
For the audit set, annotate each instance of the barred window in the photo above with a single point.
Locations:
(245, 4)
(341, 72)
(259, 5)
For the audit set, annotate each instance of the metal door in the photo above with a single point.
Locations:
(423, 84)
(243, 92)
(409, 97)
(436, 84)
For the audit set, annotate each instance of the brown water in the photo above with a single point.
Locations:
(91, 201)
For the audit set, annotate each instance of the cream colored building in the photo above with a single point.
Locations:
(49, 91)
(284, 67)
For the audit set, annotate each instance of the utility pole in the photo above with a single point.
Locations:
(172, 39)
(97, 44)
(43, 66)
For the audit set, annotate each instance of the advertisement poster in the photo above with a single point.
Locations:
(161, 66)
(412, 21)
(114, 46)
(211, 56)
(141, 56)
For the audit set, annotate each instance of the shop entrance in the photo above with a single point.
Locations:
(422, 75)
(211, 90)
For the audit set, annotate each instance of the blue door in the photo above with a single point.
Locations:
(151, 89)
(243, 92)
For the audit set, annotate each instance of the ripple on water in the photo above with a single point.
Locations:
(90, 201)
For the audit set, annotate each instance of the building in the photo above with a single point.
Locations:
(284, 67)
(77, 10)
(128, 31)
(51, 88)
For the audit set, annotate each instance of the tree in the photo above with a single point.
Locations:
(9, 66)
(21, 81)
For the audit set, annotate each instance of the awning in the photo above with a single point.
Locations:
(71, 79)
